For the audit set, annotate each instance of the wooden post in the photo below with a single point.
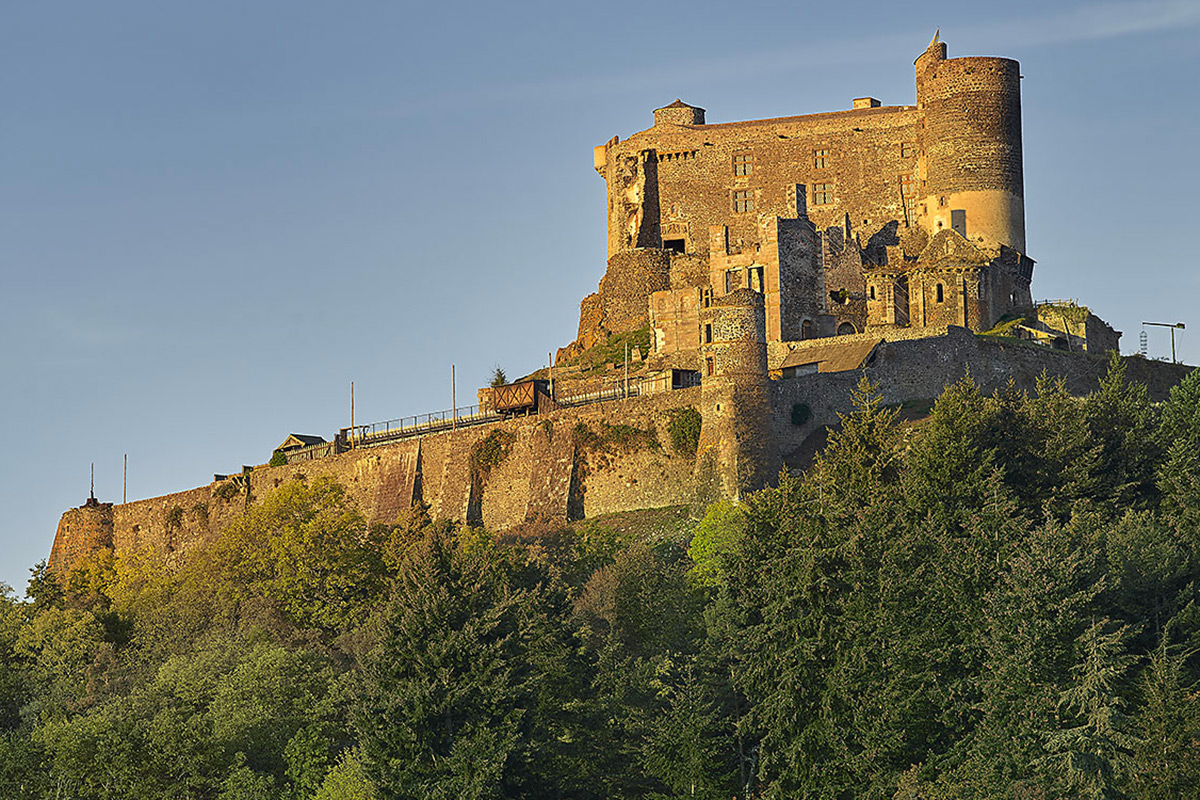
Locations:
(550, 360)
(351, 415)
(453, 401)
(125, 481)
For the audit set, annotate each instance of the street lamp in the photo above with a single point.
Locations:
(1172, 326)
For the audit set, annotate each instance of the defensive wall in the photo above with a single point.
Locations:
(567, 464)
(905, 370)
(581, 462)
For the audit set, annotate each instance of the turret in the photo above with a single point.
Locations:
(678, 113)
(736, 392)
(971, 145)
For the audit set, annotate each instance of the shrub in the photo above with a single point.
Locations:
(489, 452)
(278, 459)
(684, 429)
(226, 490)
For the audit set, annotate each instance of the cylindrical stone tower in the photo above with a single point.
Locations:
(971, 145)
(81, 531)
(735, 390)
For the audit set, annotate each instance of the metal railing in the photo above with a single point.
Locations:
(418, 425)
(404, 427)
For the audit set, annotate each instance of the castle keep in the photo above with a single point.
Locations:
(765, 265)
(868, 218)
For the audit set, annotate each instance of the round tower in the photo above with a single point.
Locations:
(970, 134)
(735, 400)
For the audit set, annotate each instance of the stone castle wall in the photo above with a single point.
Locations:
(919, 369)
(545, 474)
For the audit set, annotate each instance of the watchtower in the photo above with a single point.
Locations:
(735, 399)
(971, 146)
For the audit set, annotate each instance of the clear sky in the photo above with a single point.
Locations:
(214, 216)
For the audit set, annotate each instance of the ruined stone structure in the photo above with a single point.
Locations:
(876, 216)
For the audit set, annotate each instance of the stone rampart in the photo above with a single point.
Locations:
(919, 369)
(574, 462)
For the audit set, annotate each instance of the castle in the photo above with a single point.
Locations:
(876, 218)
(772, 262)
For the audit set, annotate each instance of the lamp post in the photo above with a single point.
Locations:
(1172, 326)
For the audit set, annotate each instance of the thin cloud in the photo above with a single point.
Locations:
(1092, 22)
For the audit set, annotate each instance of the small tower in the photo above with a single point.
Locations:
(679, 113)
(735, 400)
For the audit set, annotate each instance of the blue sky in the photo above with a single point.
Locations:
(214, 216)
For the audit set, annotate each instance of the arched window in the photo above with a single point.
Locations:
(846, 328)
(807, 330)
(872, 292)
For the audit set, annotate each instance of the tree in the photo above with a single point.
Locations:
(1097, 740)
(452, 704)
(1165, 764)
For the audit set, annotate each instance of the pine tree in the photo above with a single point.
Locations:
(1097, 740)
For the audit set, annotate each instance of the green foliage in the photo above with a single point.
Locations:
(498, 377)
(278, 459)
(226, 490)
(490, 452)
(306, 549)
(684, 430)
(174, 518)
(611, 350)
(997, 601)
(1089, 752)
(348, 780)
(717, 539)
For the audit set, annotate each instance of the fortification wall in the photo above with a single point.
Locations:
(920, 369)
(566, 463)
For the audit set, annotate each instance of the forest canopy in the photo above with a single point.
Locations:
(999, 600)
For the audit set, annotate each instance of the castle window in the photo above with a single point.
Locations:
(742, 164)
(732, 280)
(675, 245)
(872, 292)
(821, 159)
(941, 297)
(908, 150)
(822, 194)
(755, 277)
(808, 330)
(709, 369)
(708, 334)
(743, 201)
(958, 222)
(706, 297)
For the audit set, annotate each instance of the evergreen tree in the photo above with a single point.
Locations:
(1097, 740)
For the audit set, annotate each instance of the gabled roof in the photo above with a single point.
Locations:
(680, 104)
(836, 356)
(949, 248)
(295, 440)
